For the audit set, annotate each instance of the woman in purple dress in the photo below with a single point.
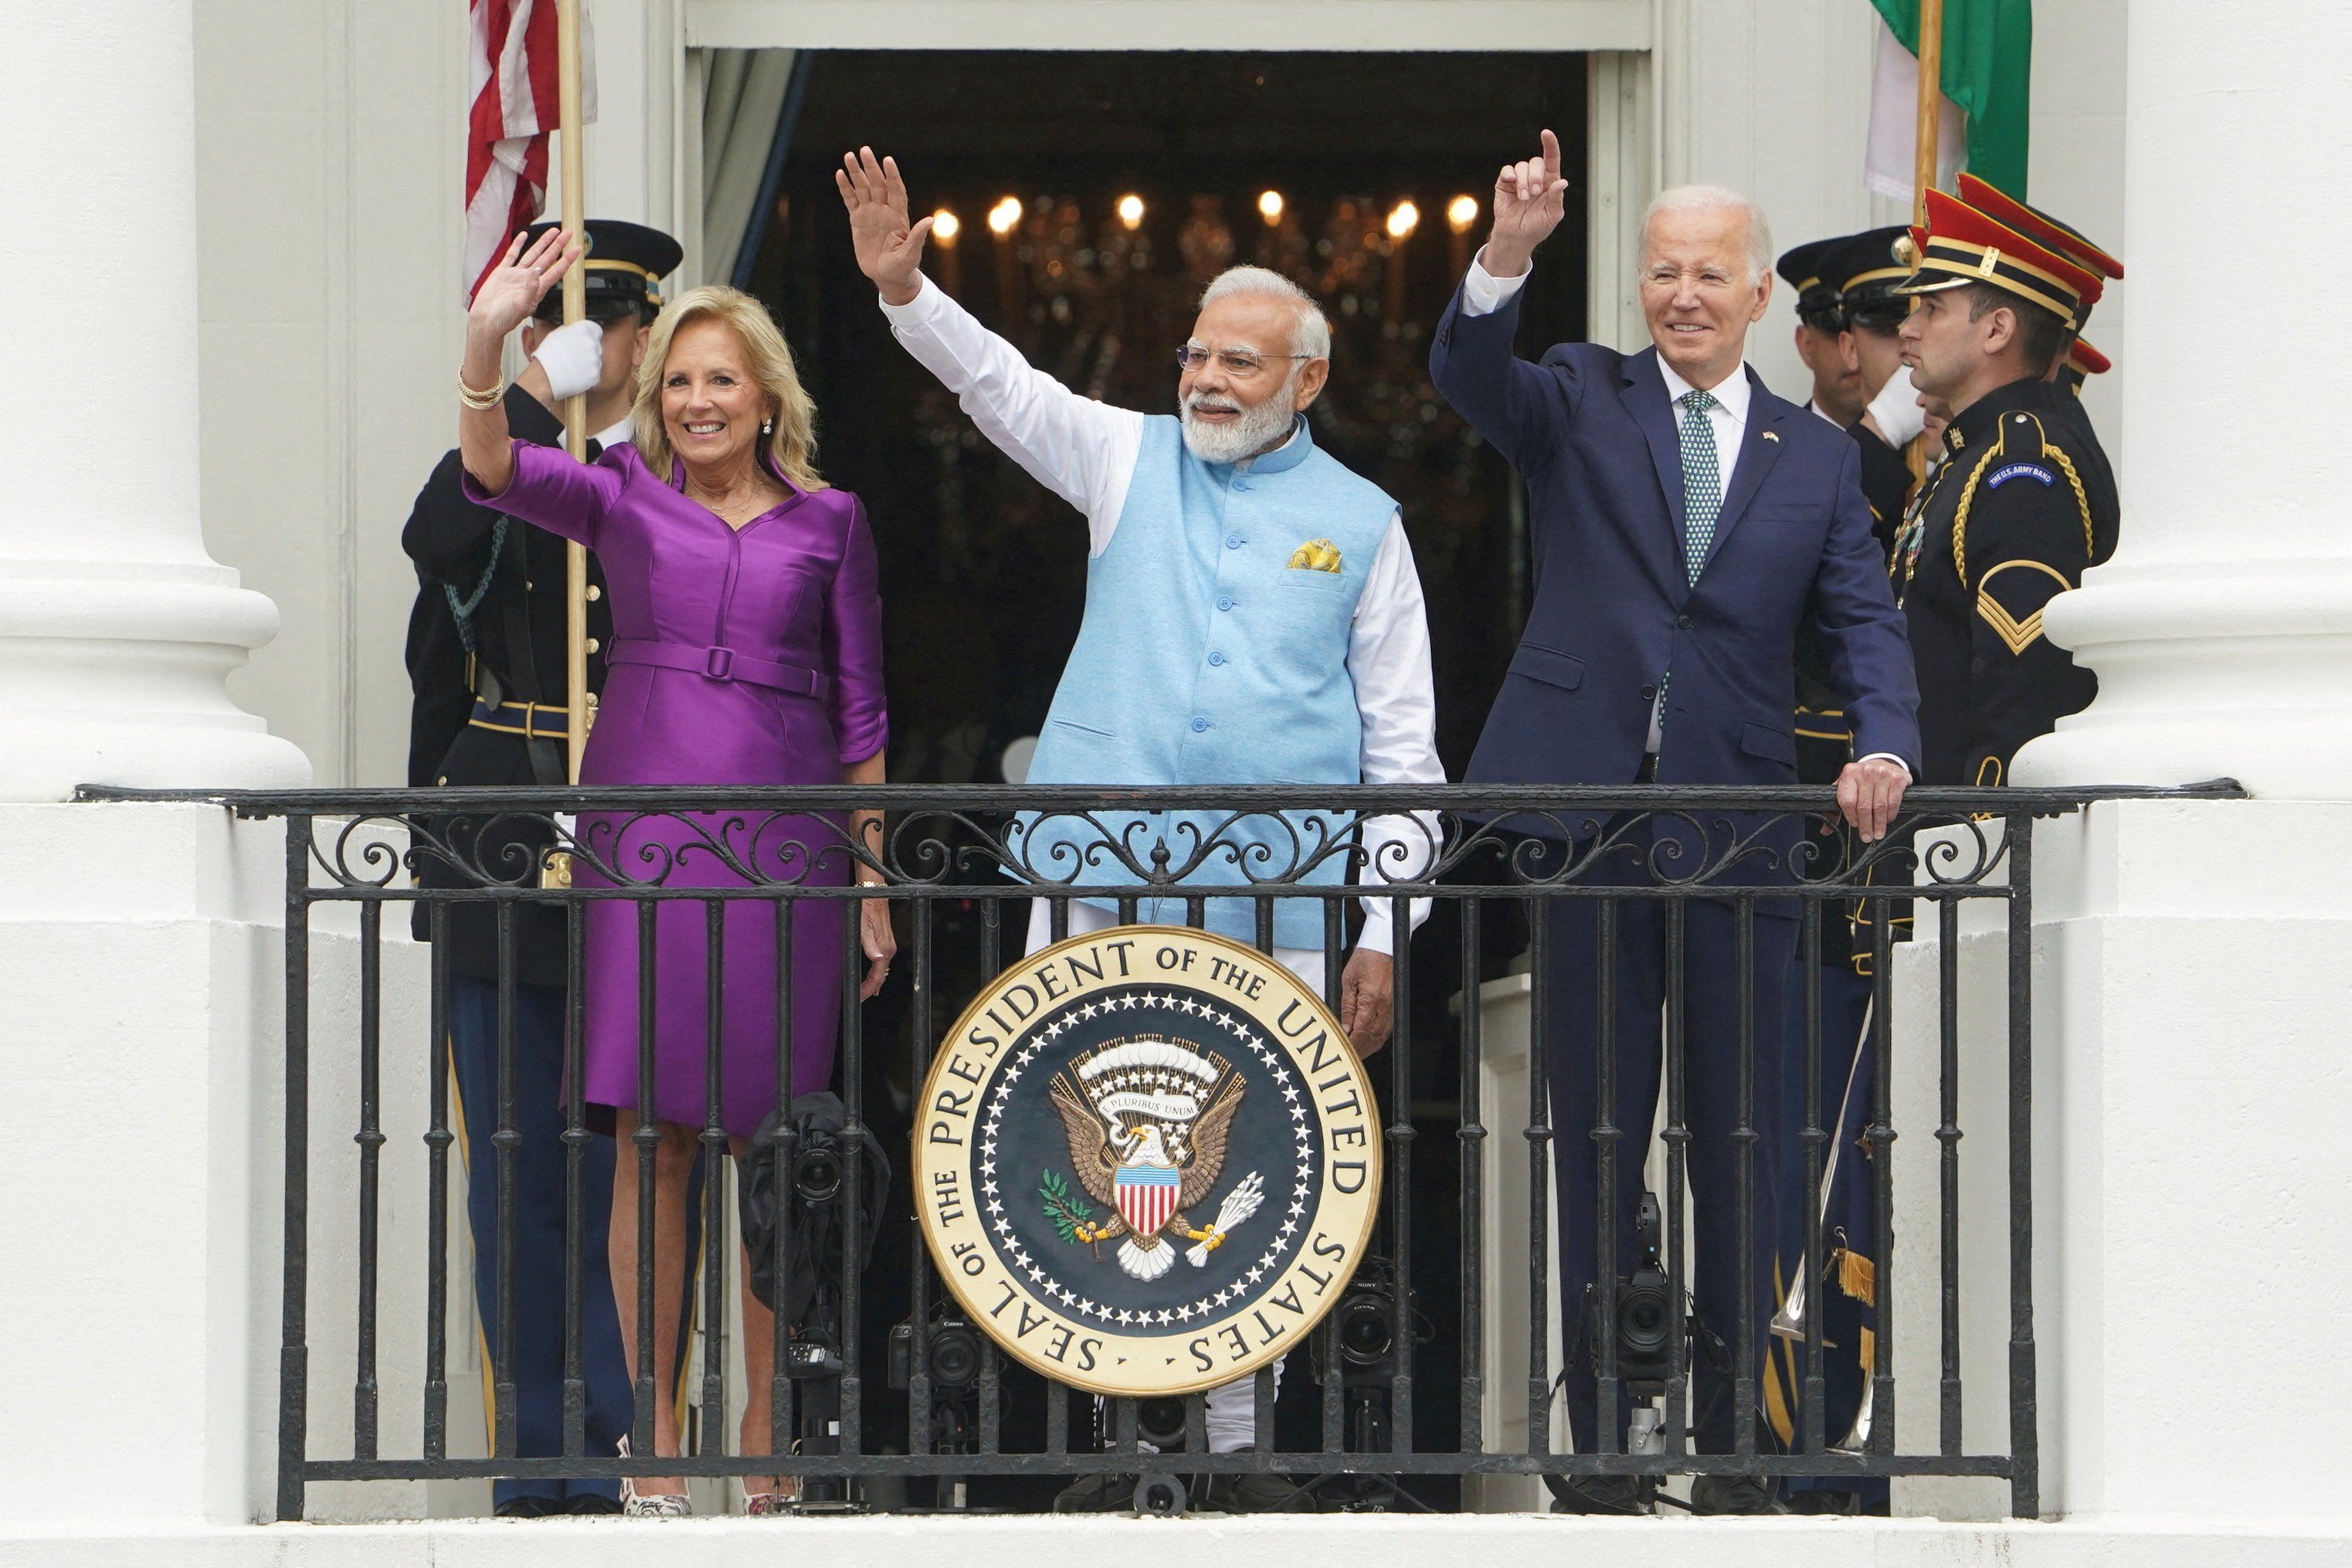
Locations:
(746, 650)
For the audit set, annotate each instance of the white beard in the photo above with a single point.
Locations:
(1256, 430)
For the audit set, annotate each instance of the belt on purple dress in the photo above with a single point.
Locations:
(721, 664)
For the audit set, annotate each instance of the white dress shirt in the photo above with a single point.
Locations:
(1085, 451)
(1484, 293)
(1814, 403)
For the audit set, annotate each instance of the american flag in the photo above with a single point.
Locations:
(510, 86)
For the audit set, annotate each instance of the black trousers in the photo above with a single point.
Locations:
(1713, 1000)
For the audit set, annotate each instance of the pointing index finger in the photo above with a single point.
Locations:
(1550, 157)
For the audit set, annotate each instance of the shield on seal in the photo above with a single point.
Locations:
(1147, 1196)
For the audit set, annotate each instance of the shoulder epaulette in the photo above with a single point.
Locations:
(2002, 461)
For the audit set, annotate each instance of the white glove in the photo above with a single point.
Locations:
(1895, 410)
(573, 359)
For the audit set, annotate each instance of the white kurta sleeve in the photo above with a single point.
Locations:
(1396, 697)
(1081, 450)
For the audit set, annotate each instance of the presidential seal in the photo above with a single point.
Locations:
(1146, 1161)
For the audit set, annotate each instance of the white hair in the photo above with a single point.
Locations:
(1715, 198)
(1313, 336)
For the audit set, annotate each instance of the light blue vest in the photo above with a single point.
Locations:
(1214, 651)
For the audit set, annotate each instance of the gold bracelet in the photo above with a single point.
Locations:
(480, 400)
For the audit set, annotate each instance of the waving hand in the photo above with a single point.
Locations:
(890, 249)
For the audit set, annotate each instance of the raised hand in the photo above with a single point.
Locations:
(1530, 197)
(890, 249)
(517, 284)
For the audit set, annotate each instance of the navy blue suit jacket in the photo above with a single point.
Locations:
(1593, 435)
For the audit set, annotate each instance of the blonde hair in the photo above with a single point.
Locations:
(793, 441)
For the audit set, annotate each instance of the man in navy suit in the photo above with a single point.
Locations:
(1684, 522)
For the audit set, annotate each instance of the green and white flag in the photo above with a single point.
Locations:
(1987, 73)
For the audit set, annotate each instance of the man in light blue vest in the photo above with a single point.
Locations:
(1252, 614)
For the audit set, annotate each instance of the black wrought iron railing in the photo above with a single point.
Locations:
(1395, 1383)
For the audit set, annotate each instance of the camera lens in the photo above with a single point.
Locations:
(1643, 1321)
(955, 1355)
(1364, 1329)
(1161, 1422)
(817, 1177)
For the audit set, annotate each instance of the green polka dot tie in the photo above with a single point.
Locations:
(1702, 481)
(1702, 499)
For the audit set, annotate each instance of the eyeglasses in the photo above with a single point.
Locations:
(1240, 363)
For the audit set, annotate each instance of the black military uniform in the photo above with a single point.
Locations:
(487, 657)
(2023, 504)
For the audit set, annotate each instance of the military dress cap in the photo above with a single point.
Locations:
(623, 269)
(1801, 269)
(1961, 245)
(2038, 225)
(2081, 362)
(1864, 270)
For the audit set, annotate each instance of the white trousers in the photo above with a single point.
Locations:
(1229, 1411)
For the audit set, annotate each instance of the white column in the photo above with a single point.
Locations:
(2221, 632)
(117, 630)
(2191, 1225)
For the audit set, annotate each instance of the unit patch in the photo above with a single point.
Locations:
(2009, 471)
(1146, 1161)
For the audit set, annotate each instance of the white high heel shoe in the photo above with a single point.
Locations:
(652, 1505)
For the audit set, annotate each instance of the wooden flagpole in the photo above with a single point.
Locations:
(1925, 150)
(1931, 105)
(574, 199)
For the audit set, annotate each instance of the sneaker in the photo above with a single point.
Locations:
(1735, 1495)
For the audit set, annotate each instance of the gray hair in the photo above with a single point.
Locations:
(1313, 335)
(1709, 198)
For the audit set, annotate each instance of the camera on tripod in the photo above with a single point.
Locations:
(951, 1355)
(1641, 1321)
(817, 1173)
(1364, 1324)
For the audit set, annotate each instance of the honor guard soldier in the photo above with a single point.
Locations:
(492, 619)
(1847, 315)
(1865, 271)
(1846, 319)
(2024, 503)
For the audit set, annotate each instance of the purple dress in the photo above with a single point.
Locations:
(749, 655)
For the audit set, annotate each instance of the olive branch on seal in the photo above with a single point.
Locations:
(1062, 1207)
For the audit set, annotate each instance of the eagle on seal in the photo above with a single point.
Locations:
(1147, 1121)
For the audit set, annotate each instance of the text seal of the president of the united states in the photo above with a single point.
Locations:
(1146, 1161)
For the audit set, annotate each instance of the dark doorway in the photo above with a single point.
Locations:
(983, 570)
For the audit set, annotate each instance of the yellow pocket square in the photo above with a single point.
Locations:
(1316, 555)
